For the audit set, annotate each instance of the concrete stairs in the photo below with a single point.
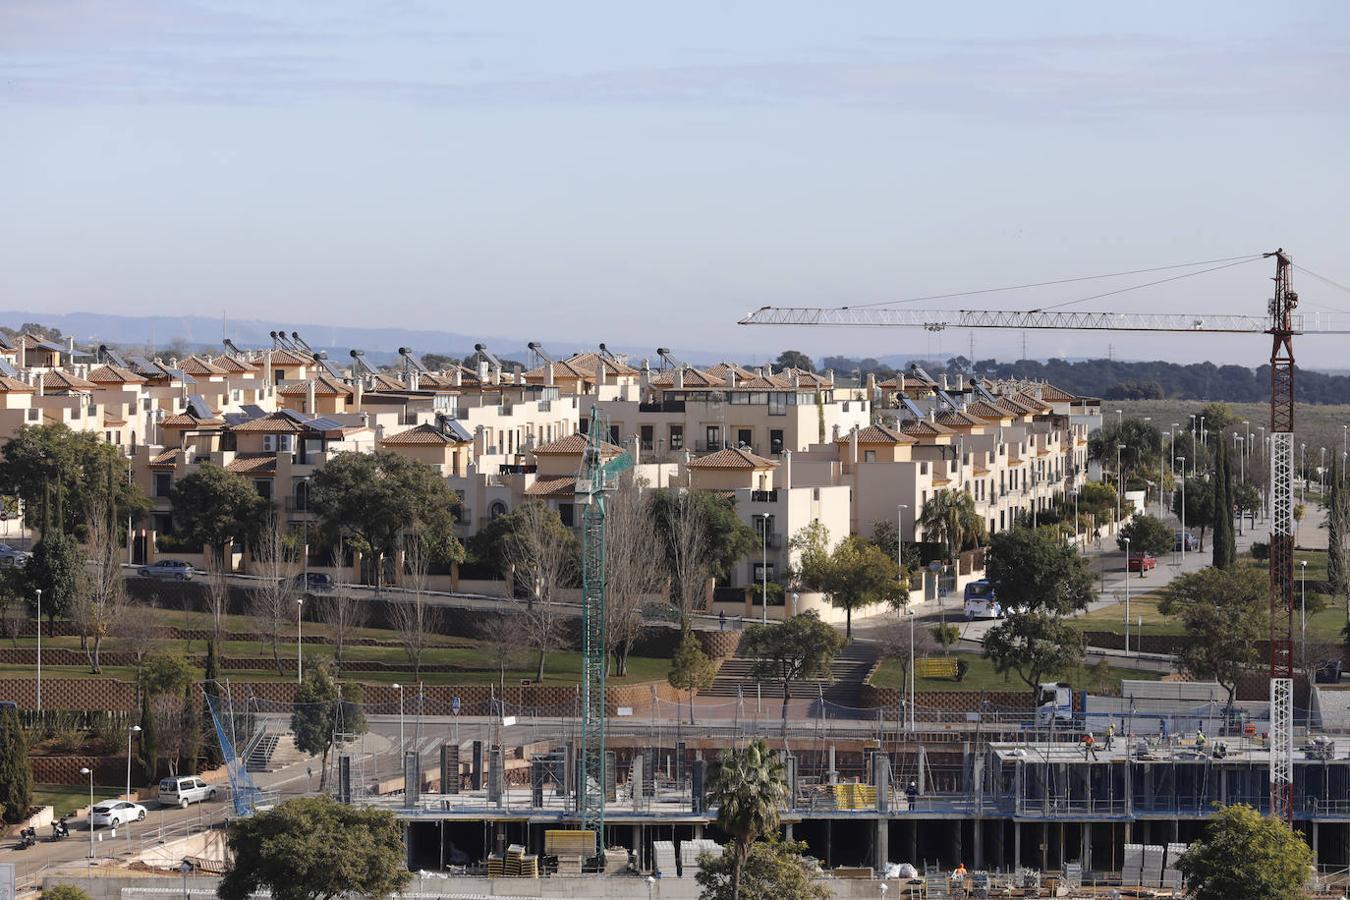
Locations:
(848, 671)
(273, 752)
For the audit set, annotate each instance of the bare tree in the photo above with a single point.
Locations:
(894, 640)
(343, 610)
(633, 569)
(136, 630)
(216, 594)
(501, 640)
(101, 598)
(686, 528)
(170, 735)
(13, 616)
(542, 553)
(414, 616)
(274, 599)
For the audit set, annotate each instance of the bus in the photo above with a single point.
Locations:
(980, 602)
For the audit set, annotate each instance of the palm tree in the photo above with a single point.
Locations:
(951, 516)
(748, 791)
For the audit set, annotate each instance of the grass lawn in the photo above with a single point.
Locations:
(1112, 618)
(64, 799)
(982, 677)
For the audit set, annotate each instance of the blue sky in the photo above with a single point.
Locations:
(645, 175)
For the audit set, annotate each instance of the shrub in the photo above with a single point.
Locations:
(64, 892)
(962, 667)
(1260, 550)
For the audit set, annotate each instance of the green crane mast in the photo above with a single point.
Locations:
(596, 478)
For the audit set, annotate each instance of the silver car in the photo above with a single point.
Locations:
(13, 556)
(172, 569)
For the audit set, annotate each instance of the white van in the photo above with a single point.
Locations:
(184, 789)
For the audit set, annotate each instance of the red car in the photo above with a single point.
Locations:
(1141, 562)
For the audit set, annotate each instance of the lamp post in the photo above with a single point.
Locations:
(900, 551)
(911, 670)
(401, 747)
(39, 650)
(1127, 593)
(299, 651)
(1303, 608)
(763, 519)
(1148, 422)
(133, 730)
(90, 773)
(1182, 460)
(1303, 469)
(1120, 483)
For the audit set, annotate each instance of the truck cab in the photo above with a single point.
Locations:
(1054, 704)
(980, 601)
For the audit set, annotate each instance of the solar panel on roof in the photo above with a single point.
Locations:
(323, 424)
(253, 410)
(115, 358)
(7, 369)
(331, 369)
(453, 428)
(142, 366)
(198, 407)
(984, 392)
(912, 407)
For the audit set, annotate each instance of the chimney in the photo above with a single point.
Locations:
(37, 384)
(829, 376)
(637, 451)
(853, 445)
(267, 366)
(599, 372)
(548, 375)
(796, 380)
(496, 374)
(310, 400)
(731, 377)
(871, 386)
(457, 376)
(835, 434)
(900, 382)
(358, 390)
(679, 377)
(482, 371)
(932, 413)
(785, 475)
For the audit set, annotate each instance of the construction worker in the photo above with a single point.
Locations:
(959, 873)
(1089, 745)
(912, 792)
(1110, 734)
(1199, 739)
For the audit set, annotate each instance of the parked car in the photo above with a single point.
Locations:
(116, 812)
(1190, 540)
(172, 569)
(184, 789)
(1141, 562)
(314, 582)
(13, 556)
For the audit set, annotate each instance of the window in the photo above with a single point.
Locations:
(745, 437)
(302, 495)
(761, 571)
(775, 441)
(714, 435)
(163, 483)
(162, 523)
(677, 437)
(614, 435)
(566, 513)
(778, 403)
(264, 487)
(646, 435)
(497, 509)
(869, 456)
(278, 376)
(763, 523)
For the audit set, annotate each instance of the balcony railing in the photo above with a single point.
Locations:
(764, 496)
(662, 406)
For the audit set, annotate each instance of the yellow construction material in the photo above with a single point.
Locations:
(940, 667)
(854, 796)
(570, 842)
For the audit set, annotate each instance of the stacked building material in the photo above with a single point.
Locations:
(1132, 864)
(664, 852)
(1154, 855)
(690, 851)
(1171, 875)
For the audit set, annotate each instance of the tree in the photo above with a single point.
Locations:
(794, 359)
(342, 610)
(1030, 570)
(16, 772)
(216, 507)
(274, 600)
(323, 711)
(944, 636)
(886, 535)
(1146, 534)
(216, 595)
(166, 673)
(1097, 499)
(43, 462)
(147, 751)
(1139, 450)
(64, 892)
(683, 523)
(1223, 612)
(855, 574)
(691, 670)
(415, 618)
(951, 518)
(801, 646)
(136, 631)
(102, 597)
(773, 870)
(210, 744)
(1246, 856)
(1335, 502)
(190, 741)
(1225, 540)
(314, 848)
(633, 570)
(895, 642)
(55, 568)
(726, 539)
(1199, 505)
(747, 790)
(544, 555)
(1035, 645)
(1218, 416)
(374, 498)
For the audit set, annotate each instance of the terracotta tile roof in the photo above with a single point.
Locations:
(233, 365)
(60, 380)
(273, 423)
(986, 410)
(878, 434)
(574, 445)
(253, 464)
(14, 386)
(167, 458)
(720, 371)
(423, 436)
(381, 381)
(580, 365)
(283, 357)
(1015, 407)
(113, 421)
(552, 487)
(954, 418)
(187, 420)
(195, 365)
(911, 380)
(925, 428)
(109, 374)
(695, 379)
(325, 385)
(732, 458)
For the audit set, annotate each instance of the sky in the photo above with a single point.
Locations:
(646, 174)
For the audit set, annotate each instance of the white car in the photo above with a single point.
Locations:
(13, 556)
(117, 812)
(183, 790)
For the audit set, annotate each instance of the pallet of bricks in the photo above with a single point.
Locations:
(515, 864)
(854, 796)
(690, 852)
(571, 847)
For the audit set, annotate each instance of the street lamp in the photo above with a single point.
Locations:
(299, 651)
(910, 613)
(1120, 483)
(401, 747)
(1182, 460)
(133, 730)
(1303, 607)
(763, 519)
(900, 551)
(39, 650)
(90, 773)
(1127, 593)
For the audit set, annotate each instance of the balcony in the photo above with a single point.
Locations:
(764, 496)
(662, 406)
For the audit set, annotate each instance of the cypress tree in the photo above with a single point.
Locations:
(210, 744)
(190, 748)
(147, 756)
(16, 774)
(1224, 548)
(1336, 507)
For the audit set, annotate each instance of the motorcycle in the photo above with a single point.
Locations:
(60, 829)
(27, 838)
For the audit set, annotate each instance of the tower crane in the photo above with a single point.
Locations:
(1281, 323)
